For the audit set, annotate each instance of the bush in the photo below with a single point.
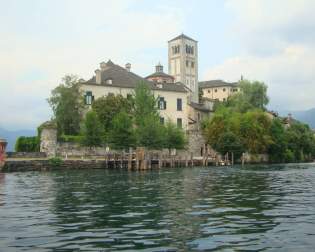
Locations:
(55, 161)
(27, 144)
(70, 139)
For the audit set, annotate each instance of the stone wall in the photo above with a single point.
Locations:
(48, 141)
(52, 148)
(26, 155)
(45, 165)
(195, 142)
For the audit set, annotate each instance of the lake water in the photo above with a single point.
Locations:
(191, 209)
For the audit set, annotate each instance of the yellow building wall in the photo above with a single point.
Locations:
(219, 93)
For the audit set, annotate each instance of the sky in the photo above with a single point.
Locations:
(41, 41)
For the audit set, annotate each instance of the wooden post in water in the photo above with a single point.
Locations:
(149, 160)
(159, 160)
(191, 160)
(130, 159)
(232, 158)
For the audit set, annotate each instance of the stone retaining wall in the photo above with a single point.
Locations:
(26, 155)
(46, 165)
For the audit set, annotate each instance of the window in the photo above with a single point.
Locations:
(179, 122)
(223, 89)
(109, 81)
(161, 103)
(192, 64)
(209, 91)
(192, 50)
(176, 49)
(89, 98)
(215, 90)
(162, 120)
(179, 104)
(187, 63)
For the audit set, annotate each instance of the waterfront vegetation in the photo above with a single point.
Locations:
(243, 124)
(113, 120)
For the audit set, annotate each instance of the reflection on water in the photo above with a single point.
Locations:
(253, 208)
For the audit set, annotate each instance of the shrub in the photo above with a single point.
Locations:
(55, 161)
(70, 139)
(27, 144)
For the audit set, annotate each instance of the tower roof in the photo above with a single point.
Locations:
(182, 36)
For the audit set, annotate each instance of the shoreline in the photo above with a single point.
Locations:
(45, 164)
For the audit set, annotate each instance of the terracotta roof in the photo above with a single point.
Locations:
(124, 79)
(216, 83)
(183, 36)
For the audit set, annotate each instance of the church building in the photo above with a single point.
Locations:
(177, 91)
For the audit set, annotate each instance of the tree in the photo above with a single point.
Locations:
(122, 134)
(145, 104)
(149, 130)
(301, 141)
(174, 136)
(107, 107)
(67, 104)
(277, 150)
(254, 130)
(92, 130)
(252, 95)
(230, 142)
(150, 133)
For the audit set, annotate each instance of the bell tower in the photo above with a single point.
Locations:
(183, 63)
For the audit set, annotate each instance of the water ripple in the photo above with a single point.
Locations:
(257, 208)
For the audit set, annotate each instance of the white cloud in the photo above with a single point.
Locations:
(277, 46)
(47, 40)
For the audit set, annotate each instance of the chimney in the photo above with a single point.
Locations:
(98, 78)
(128, 67)
(103, 66)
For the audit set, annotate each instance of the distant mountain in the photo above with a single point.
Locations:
(306, 116)
(11, 136)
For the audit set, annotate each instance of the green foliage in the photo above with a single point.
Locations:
(277, 150)
(27, 144)
(174, 136)
(67, 104)
(254, 130)
(70, 139)
(230, 142)
(55, 161)
(301, 141)
(92, 130)
(150, 133)
(122, 134)
(145, 104)
(252, 95)
(107, 107)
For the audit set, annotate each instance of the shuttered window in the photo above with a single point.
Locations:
(179, 104)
